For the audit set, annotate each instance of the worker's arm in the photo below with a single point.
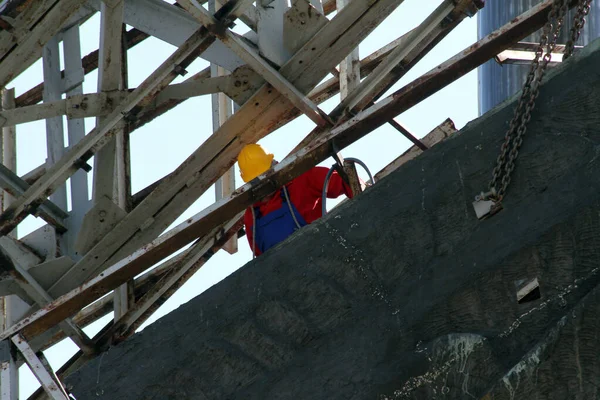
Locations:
(248, 224)
(336, 187)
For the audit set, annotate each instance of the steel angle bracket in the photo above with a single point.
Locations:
(2, 120)
(339, 163)
(485, 207)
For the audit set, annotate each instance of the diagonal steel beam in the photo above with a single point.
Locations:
(29, 49)
(258, 64)
(289, 91)
(370, 86)
(22, 23)
(48, 380)
(41, 297)
(193, 260)
(90, 63)
(50, 212)
(417, 44)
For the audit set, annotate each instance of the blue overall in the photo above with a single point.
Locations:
(276, 226)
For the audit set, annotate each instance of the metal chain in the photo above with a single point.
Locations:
(583, 9)
(513, 139)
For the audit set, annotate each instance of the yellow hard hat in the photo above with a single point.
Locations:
(253, 161)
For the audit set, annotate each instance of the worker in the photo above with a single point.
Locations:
(271, 220)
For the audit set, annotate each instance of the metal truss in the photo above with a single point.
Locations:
(259, 82)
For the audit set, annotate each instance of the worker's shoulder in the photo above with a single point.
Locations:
(315, 171)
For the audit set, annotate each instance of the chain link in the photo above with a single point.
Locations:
(513, 139)
(583, 9)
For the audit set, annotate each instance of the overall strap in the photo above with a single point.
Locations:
(289, 203)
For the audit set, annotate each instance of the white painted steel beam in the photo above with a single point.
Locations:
(48, 211)
(42, 298)
(271, 32)
(222, 109)
(77, 105)
(174, 26)
(51, 385)
(9, 373)
(30, 45)
(350, 66)
(152, 85)
(74, 74)
(258, 64)
(190, 261)
(407, 50)
(369, 87)
(8, 155)
(55, 142)
(22, 25)
(109, 80)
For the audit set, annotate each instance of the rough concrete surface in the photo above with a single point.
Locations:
(402, 293)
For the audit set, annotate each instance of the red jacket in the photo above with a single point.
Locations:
(305, 193)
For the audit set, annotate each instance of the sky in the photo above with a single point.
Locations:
(159, 147)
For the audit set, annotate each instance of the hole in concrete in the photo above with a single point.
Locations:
(528, 290)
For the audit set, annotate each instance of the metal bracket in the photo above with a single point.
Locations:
(52, 386)
(484, 206)
(129, 116)
(180, 70)
(82, 165)
(339, 163)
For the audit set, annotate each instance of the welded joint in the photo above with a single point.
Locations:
(32, 209)
(49, 381)
(129, 116)
(6, 25)
(339, 162)
(180, 70)
(82, 165)
(467, 7)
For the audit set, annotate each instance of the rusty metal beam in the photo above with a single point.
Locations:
(194, 259)
(154, 281)
(321, 93)
(104, 306)
(414, 46)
